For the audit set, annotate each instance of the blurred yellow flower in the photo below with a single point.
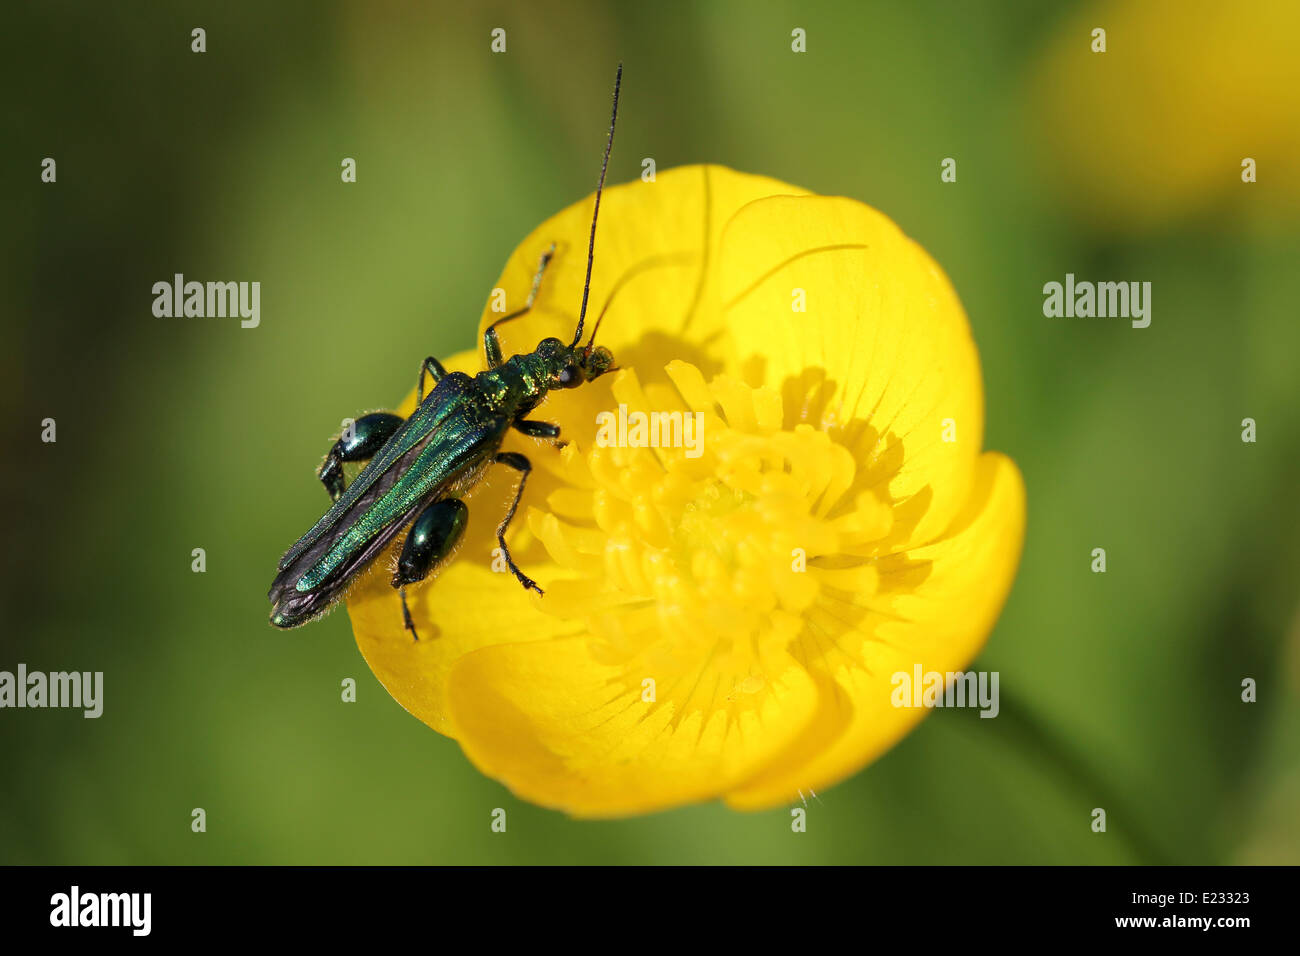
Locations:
(720, 621)
(1156, 128)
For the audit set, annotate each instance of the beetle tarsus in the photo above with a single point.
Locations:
(406, 615)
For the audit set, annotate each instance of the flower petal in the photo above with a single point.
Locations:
(882, 357)
(656, 248)
(935, 607)
(567, 730)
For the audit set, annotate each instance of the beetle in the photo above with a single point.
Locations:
(418, 468)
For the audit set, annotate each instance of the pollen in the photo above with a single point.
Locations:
(730, 546)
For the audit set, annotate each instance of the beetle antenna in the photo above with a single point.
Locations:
(591, 244)
(596, 328)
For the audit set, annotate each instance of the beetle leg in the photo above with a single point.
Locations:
(432, 367)
(492, 344)
(406, 615)
(369, 432)
(433, 537)
(534, 429)
(522, 465)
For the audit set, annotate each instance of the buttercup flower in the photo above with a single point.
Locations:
(1157, 127)
(723, 618)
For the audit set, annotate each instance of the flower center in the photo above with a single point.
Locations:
(721, 533)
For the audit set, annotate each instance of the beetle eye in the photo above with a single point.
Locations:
(567, 375)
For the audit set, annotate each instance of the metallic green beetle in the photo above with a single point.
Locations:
(419, 466)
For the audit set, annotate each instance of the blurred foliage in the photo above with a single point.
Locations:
(1118, 690)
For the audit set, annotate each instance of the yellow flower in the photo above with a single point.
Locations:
(684, 650)
(1156, 128)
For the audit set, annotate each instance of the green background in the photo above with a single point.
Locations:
(1119, 690)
